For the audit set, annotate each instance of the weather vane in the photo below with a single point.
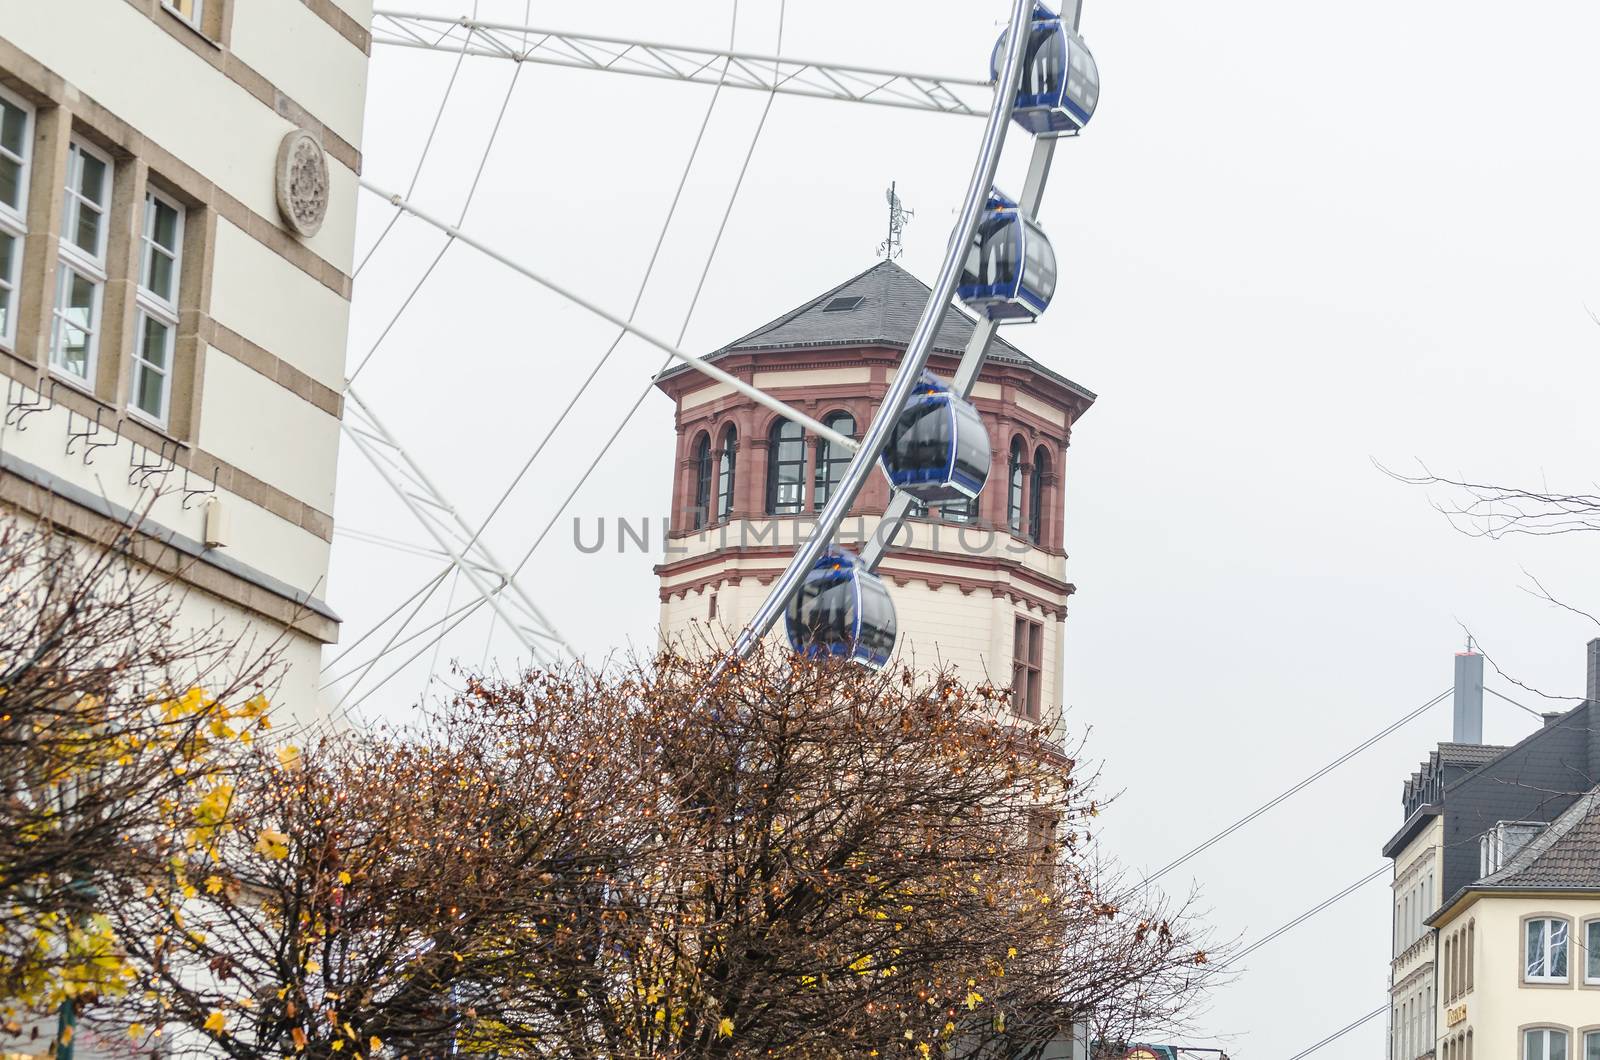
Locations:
(899, 217)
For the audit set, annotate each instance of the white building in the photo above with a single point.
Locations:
(177, 220)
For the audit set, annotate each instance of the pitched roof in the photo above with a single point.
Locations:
(890, 303)
(1470, 754)
(1564, 856)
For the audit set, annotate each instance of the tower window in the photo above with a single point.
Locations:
(1041, 461)
(1027, 658)
(832, 460)
(702, 481)
(725, 453)
(786, 469)
(1014, 487)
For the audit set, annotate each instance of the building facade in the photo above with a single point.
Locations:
(177, 224)
(1496, 884)
(979, 586)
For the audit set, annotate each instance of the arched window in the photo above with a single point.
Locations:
(831, 459)
(702, 481)
(730, 442)
(1041, 464)
(1014, 488)
(786, 469)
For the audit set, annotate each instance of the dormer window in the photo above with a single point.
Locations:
(1502, 843)
(844, 304)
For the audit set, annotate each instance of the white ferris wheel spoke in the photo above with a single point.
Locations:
(674, 62)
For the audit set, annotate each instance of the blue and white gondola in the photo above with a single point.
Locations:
(1010, 269)
(1060, 81)
(842, 611)
(938, 449)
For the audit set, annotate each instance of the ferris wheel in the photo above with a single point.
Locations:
(926, 436)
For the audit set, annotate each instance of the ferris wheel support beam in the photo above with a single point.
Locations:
(699, 364)
(918, 349)
(674, 62)
(465, 550)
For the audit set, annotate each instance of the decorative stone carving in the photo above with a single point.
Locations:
(302, 181)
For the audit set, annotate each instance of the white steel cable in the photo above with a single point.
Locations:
(655, 254)
(644, 394)
(427, 145)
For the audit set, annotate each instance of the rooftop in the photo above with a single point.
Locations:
(878, 307)
(1565, 856)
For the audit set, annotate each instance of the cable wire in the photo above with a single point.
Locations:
(1336, 1035)
(1308, 914)
(1302, 785)
(644, 394)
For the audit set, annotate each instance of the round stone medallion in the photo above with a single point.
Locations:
(302, 179)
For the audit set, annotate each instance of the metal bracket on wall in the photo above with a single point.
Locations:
(19, 408)
(190, 493)
(92, 432)
(141, 469)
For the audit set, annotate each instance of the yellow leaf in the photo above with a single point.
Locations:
(66, 1036)
(313, 967)
(213, 884)
(344, 877)
(289, 758)
(974, 999)
(922, 1047)
(374, 1044)
(338, 1044)
(216, 1023)
(725, 1028)
(136, 1030)
(273, 845)
(299, 1037)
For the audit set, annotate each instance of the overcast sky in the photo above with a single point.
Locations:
(1295, 240)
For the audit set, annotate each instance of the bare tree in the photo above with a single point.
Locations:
(112, 709)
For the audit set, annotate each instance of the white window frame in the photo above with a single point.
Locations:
(74, 259)
(1522, 957)
(1544, 1052)
(196, 21)
(1589, 1038)
(1590, 933)
(14, 221)
(153, 306)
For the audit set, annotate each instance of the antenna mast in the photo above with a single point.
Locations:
(899, 217)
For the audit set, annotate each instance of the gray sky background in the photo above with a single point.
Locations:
(1295, 240)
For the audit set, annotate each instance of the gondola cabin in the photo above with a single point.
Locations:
(842, 611)
(1060, 82)
(1010, 269)
(939, 449)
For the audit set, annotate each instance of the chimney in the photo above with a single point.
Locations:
(1468, 725)
(1592, 693)
(1592, 688)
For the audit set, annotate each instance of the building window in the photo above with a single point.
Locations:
(786, 469)
(1027, 655)
(1041, 464)
(1544, 1043)
(1591, 1046)
(1472, 941)
(191, 11)
(702, 481)
(15, 149)
(1591, 955)
(962, 511)
(725, 454)
(1014, 487)
(80, 282)
(159, 264)
(831, 460)
(1546, 951)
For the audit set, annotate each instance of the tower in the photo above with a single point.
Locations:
(980, 586)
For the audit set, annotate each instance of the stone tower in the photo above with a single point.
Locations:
(982, 587)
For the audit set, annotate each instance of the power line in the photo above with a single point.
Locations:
(1308, 914)
(1336, 1035)
(1307, 782)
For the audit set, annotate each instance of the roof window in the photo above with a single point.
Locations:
(844, 304)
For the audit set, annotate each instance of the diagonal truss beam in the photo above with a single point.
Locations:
(465, 549)
(674, 62)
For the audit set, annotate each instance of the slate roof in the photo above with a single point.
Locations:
(1565, 856)
(891, 303)
(1469, 754)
